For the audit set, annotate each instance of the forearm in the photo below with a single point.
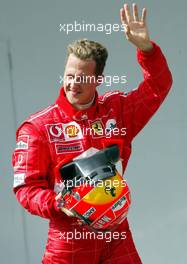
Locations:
(157, 75)
(155, 67)
(38, 201)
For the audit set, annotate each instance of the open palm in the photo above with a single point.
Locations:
(136, 30)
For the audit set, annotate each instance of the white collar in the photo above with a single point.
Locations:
(84, 106)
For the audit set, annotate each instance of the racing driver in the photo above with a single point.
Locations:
(57, 134)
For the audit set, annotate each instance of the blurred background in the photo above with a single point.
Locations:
(32, 55)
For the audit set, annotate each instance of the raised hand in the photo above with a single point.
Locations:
(136, 30)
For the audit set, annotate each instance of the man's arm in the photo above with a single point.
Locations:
(140, 104)
(31, 161)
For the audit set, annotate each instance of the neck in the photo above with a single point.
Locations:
(84, 106)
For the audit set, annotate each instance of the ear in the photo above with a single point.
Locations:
(100, 79)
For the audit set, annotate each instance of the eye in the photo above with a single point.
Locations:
(69, 77)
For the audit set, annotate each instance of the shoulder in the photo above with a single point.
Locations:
(35, 121)
(43, 114)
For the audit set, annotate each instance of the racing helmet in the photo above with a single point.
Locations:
(94, 191)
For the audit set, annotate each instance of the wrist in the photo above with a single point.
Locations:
(146, 47)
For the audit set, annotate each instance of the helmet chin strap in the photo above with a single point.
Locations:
(85, 106)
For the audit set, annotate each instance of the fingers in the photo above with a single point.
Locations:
(126, 17)
(135, 12)
(127, 13)
(144, 13)
(123, 16)
(124, 21)
(58, 196)
(67, 212)
(59, 200)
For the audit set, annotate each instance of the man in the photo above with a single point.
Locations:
(56, 134)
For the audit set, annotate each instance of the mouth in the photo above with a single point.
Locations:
(75, 93)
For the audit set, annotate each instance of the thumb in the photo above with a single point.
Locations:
(67, 212)
(58, 196)
(127, 31)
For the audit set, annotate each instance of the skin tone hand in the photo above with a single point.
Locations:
(59, 200)
(136, 30)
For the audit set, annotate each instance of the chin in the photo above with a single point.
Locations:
(74, 100)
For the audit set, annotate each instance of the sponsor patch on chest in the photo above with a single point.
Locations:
(68, 148)
(60, 132)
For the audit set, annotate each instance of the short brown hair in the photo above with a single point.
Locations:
(88, 49)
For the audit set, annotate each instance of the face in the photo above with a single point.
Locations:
(79, 89)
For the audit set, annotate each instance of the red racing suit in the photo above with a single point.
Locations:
(59, 133)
